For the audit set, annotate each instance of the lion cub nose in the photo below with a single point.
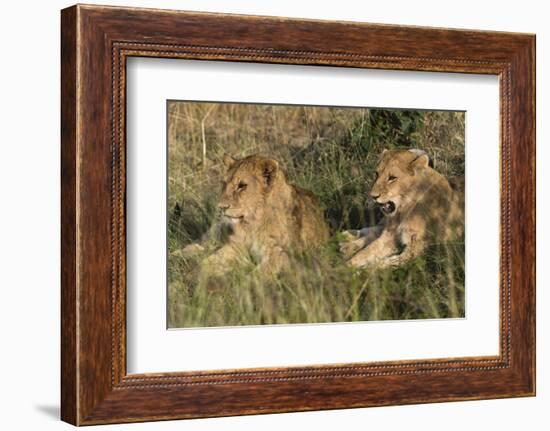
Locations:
(223, 206)
(374, 195)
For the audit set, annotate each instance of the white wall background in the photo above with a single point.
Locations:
(29, 214)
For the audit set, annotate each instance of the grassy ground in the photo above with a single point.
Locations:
(332, 152)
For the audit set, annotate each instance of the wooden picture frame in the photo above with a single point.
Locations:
(95, 43)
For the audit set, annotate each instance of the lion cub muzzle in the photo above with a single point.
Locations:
(387, 207)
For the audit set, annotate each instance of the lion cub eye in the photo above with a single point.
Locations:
(241, 186)
(391, 178)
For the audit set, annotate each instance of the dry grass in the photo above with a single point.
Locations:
(332, 152)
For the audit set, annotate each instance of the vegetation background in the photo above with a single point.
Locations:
(333, 153)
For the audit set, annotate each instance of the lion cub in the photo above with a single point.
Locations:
(419, 208)
(265, 214)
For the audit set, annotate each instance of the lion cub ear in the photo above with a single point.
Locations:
(229, 160)
(421, 160)
(269, 171)
(383, 155)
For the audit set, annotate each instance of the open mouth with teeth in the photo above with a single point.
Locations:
(233, 219)
(387, 207)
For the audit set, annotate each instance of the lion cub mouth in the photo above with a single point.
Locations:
(233, 219)
(387, 207)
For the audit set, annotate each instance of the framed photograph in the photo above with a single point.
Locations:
(284, 214)
(266, 215)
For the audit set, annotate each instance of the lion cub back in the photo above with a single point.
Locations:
(312, 229)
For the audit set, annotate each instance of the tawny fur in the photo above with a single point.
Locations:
(267, 216)
(426, 210)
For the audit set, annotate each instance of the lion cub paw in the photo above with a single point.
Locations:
(351, 244)
(189, 250)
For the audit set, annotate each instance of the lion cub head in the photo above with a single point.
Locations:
(399, 174)
(247, 185)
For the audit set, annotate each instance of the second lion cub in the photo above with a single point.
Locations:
(419, 208)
